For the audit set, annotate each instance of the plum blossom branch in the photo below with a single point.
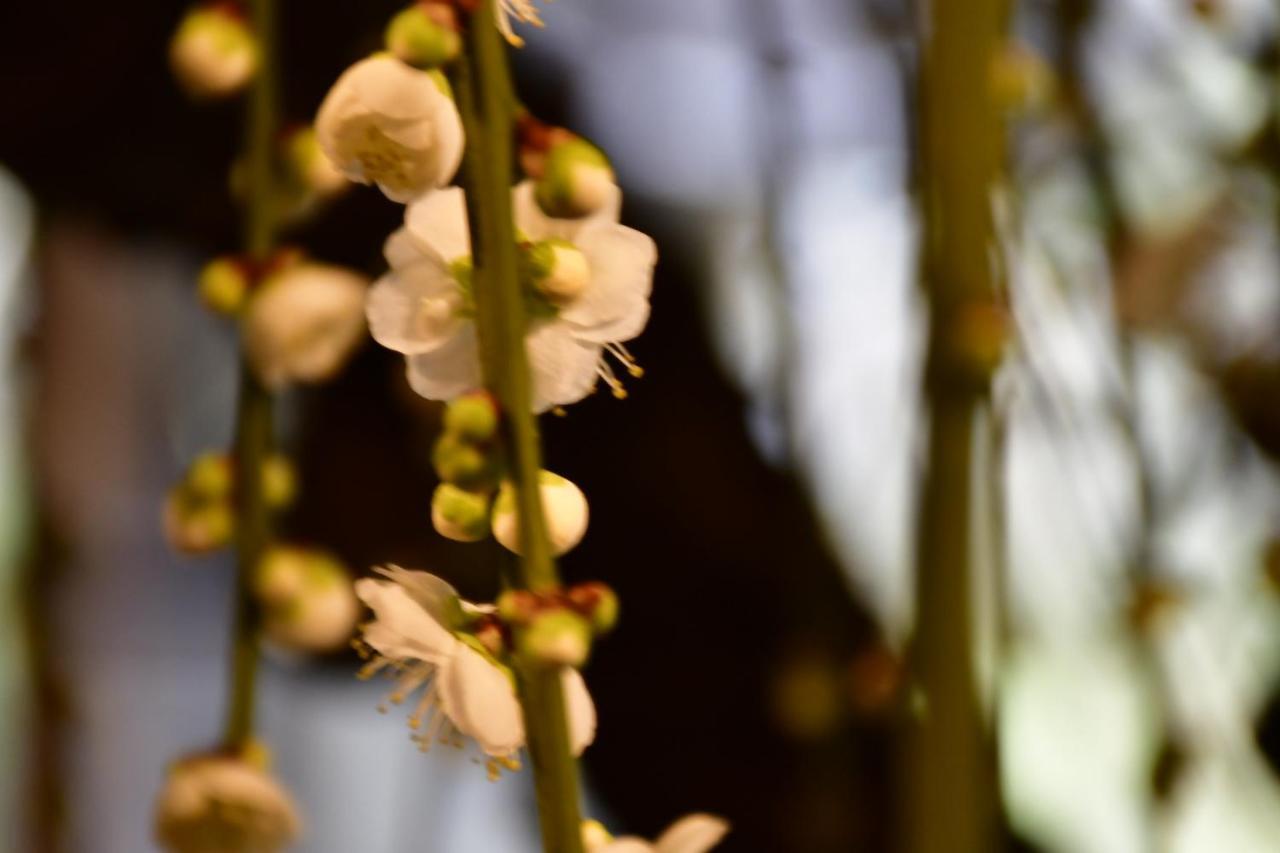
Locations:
(483, 88)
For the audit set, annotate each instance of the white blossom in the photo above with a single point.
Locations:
(695, 833)
(387, 123)
(449, 650)
(216, 804)
(587, 280)
(302, 323)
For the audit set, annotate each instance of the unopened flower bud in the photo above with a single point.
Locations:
(598, 603)
(464, 464)
(224, 284)
(425, 35)
(279, 481)
(473, 417)
(577, 179)
(560, 271)
(309, 604)
(556, 637)
(311, 170)
(213, 54)
(458, 514)
(195, 526)
(594, 835)
(564, 509)
(211, 476)
(219, 802)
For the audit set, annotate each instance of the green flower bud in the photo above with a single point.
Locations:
(458, 514)
(211, 476)
(560, 270)
(464, 464)
(311, 170)
(577, 180)
(279, 481)
(564, 508)
(472, 417)
(223, 285)
(196, 526)
(424, 35)
(556, 638)
(309, 604)
(281, 576)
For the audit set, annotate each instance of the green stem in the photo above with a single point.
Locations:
(950, 802)
(483, 88)
(253, 434)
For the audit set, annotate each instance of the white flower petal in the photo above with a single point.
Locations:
(393, 89)
(438, 224)
(401, 249)
(450, 370)
(402, 629)
(615, 305)
(579, 709)
(695, 833)
(481, 701)
(563, 369)
(415, 308)
(538, 226)
(433, 594)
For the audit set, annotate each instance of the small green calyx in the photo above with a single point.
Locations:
(425, 35)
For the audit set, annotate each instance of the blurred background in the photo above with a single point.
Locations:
(752, 501)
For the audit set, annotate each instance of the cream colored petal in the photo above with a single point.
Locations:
(438, 223)
(450, 142)
(433, 594)
(695, 833)
(626, 844)
(563, 369)
(401, 249)
(615, 305)
(402, 629)
(450, 370)
(415, 308)
(393, 89)
(580, 709)
(481, 701)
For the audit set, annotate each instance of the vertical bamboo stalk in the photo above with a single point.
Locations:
(253, 432)
(483, 89)
(950, 796)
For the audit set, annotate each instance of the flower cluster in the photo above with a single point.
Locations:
(458, 655)
(474, 498)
